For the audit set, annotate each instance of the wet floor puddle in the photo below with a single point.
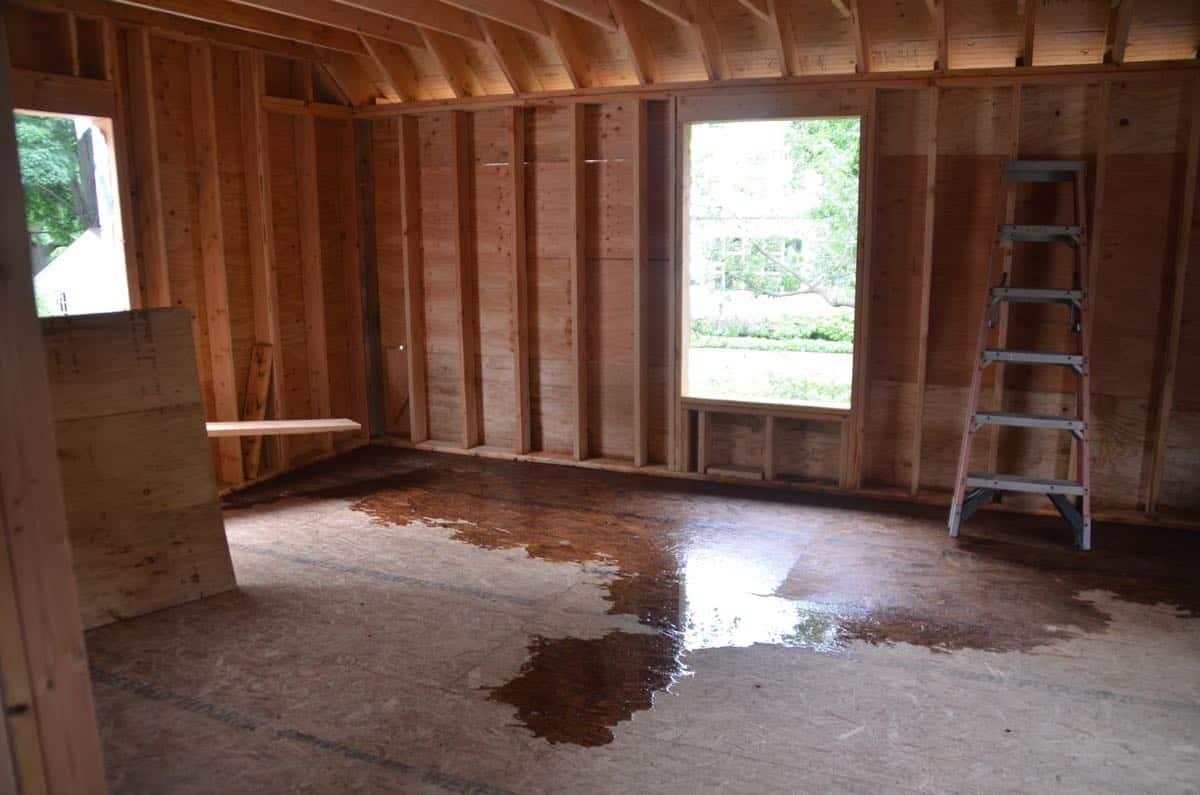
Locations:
(700, 573)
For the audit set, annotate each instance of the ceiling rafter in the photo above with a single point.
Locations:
(1116, 35)
(236, 16)
(645, 65)
(507, 51)
(783, 37)
(428, 14)
(677, 10)
(394, 63)
(758, 8)
(708, 40)
(1029, 11)
(595, 11)
(520, 14)
(186, 26)
(452, 58)
(937, 11)
(570, 49)
(862, 47)
(348, 75)
(327, 12)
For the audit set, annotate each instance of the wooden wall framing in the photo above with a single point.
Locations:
(528, 265)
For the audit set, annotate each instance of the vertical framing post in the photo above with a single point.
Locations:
(369, 268)
(54, 738)
(520, 282)
(114, 72)
(414, 279)
(577, 225)
(151, 234)
(703, 437)
(212, 258)
(1182, 251)
(354, 276)
(931, 155)
(769, 447)
(260, 232)
(679, 321)
(311, 274)
(641, 252)
(852, 475)
(461, 164)
(675, 425)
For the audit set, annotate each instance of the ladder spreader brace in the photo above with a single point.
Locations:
(1072, 498)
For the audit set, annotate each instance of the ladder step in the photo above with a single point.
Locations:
(1032, 357)
(1012, 420)
(1021, 483)
(1027, 233)
(1042, 170)
(1036, 295)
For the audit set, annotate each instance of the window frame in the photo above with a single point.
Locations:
(814, 410)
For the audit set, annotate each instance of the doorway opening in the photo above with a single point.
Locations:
(72, 208)
(771, 228)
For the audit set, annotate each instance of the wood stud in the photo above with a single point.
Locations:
(931, 157)
(576, 203)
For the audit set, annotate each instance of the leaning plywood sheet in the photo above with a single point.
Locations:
(146, 529)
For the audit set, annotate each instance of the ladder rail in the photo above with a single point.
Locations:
(964, 453)
(1083, 395)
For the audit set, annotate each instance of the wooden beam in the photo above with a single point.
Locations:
(577, 231)
(257, 428)
(641, 257)
(117, 131)
(520, 14)
(336, 15)
(453, 61)
(51, 93)
(681, 179)
(353, 275)
(394, 63)
(645, 65)
(212, 256)
(678, 10)
(758, 8)
(595, 11)
(425, 14)
(520, 281)
(1030, 11)
(862, 44)
(350, 76)
(852, 474)
(708, 40)
(1116, 35)
(511, 57)
(233, 15)
(312, 278)
(783, 37)
(49, 715)
(176, 26)
(675, 291)
(841, 7)
(414, 290)
(255, 403)
(570, 49)
(768, 464)
(938, 10)
(931, 152)
(703, 440)
(1010, 211)
(372, 324)
(147, 190)
(1183, 242)
(466, 292)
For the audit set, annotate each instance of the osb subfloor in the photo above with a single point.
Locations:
(421, 622)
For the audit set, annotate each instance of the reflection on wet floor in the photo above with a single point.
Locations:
(705, 567)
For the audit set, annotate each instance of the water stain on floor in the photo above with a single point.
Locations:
(716, 566)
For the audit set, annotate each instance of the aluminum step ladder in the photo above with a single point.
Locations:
(1072, 498)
